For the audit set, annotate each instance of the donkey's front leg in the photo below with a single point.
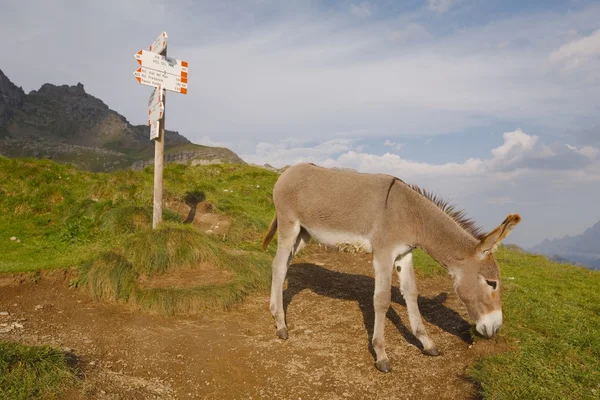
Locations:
(383, 265)
(408, 288)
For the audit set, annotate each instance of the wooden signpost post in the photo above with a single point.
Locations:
(163, 73)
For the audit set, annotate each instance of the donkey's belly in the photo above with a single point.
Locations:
(340, 239)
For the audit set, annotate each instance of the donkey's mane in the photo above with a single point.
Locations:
(457, 215)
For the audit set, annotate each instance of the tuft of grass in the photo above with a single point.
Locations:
(115, 277)
(30, 372)
(552, 324)
(170, 247)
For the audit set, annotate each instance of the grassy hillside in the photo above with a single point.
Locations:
(100, 223)
(59, 217)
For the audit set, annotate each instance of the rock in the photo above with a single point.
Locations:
(13, 238)
(3, 313)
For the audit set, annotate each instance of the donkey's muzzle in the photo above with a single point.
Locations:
(489, 325)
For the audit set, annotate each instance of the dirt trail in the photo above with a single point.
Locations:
(127, 354)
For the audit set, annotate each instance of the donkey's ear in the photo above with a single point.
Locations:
(490, 242)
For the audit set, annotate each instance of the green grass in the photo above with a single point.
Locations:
(33, 372)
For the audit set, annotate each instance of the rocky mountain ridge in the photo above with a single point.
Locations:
(583, 249)
(66, 124)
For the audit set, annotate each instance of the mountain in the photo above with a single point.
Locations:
(66, 124)
(583, 249)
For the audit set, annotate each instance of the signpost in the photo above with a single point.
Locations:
(163, 73)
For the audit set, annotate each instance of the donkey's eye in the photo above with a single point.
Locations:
(492, 283)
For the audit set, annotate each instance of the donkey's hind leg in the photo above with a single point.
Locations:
(287, 245)
(408, 288)
(383, 265)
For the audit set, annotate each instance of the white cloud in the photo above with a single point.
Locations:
(394, 145)
(440, 6)
(588, 151)
(577, 52)
(361, 10)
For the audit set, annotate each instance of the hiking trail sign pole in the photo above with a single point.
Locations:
(163, 73)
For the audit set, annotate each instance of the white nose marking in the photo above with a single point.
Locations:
(489, 324)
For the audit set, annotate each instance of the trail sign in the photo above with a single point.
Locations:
(167, 65)
(162, 73)
(151, 77)
(156, 96)
(154, 130)
(160, 43)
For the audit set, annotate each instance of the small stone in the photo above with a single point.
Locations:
(18, 240)
(470, 346)
(13, 238)
(3, 313)
(38, 307)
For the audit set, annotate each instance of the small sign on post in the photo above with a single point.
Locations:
(154, 130)
(163, 73)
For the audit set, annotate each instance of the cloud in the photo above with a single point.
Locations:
(577, 52)
(361, 10)
(439, 6)
(394, 145)
(587, 151)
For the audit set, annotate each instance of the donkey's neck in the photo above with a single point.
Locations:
(436, 232)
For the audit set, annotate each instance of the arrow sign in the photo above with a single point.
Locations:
(160, 44)
(155, 112)
(156, 96)
(150, 77)
(154, 132)
(167, 65)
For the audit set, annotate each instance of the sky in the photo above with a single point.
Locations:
(493, 105)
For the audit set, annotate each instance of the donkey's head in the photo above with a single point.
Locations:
(477, 280)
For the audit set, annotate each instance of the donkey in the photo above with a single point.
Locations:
(387, 217)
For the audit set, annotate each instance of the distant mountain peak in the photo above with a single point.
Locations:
(585, 246)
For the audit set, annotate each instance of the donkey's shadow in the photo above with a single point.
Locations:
(359, 288)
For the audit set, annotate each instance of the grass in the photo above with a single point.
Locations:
(33, 372)
(101, 224)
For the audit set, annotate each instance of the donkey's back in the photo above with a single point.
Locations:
(337, 200)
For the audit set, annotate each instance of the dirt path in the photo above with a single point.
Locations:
(127, 354)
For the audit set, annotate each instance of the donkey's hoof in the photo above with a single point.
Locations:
(383, 365)
(282, 333)
(431, 352)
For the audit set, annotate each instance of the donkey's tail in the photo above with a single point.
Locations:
(270, 233)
